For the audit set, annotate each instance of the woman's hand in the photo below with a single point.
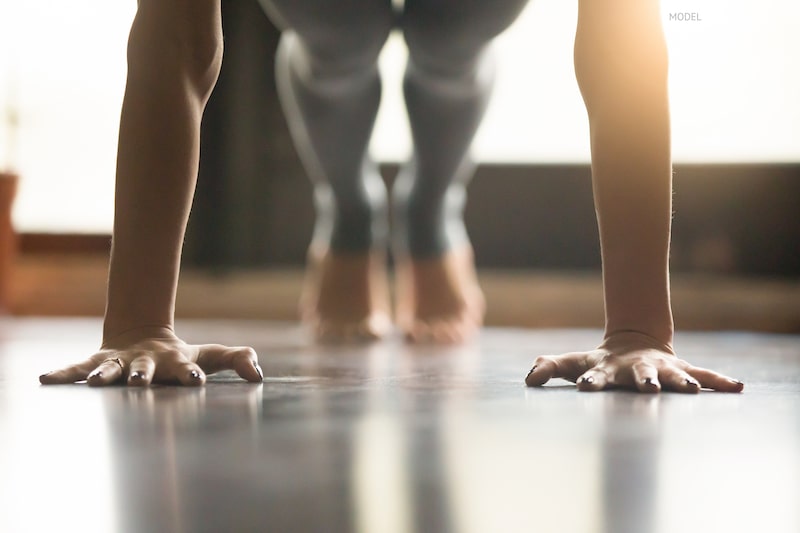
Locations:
(629, 360)
(156, 355)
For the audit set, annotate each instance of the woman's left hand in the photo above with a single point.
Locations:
(629, 360)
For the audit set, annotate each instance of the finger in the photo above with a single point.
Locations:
(190, 375)
(108, 372)
(242, 359)
(174, 367)
(546, 367)
(141, 371)
(679, 381)
(645, 377)
(714, 380)
(245, 362)
(68, 374)
(592, 380)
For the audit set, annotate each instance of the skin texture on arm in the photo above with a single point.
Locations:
(621, 68)
(174, 58)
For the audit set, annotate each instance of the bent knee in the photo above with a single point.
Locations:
(340, 53)
(442, 53)
(337, 38)
(444, 40)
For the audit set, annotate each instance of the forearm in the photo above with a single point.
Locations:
(157, 164)
(621, 65)
(632, 174)
(153, 193)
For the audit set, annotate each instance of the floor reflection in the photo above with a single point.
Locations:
(382, 493)
(630, 462)
(401, 473)
(392, 438)
(158, 435)
(732, 464)
(55, 457)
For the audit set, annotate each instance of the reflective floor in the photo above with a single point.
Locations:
(392, 439)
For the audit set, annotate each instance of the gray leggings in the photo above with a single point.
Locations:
(330, 90)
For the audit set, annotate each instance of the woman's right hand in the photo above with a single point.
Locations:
(156, 355)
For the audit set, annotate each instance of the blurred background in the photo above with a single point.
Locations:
(736, 142)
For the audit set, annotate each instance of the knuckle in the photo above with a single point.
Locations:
(246, 353)
(184, 366)
(171, 355)
(136, 355)
(214, 348)
(686, 367)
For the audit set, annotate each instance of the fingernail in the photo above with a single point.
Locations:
(260, 372)
(692, 383)
(531, 371)
(194, 374)
(648, 381)
(46, 374)
(95, 374)
(136, 375)
(588, 379)
(737, 382)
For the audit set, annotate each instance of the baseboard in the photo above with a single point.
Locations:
(74, 285)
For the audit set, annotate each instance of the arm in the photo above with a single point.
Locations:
(174, 58)
(621, 67)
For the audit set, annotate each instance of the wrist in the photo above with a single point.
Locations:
(613, 340)
(650, 316)
(116, 335)
(658, 326)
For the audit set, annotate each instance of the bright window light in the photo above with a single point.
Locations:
(734, 86)
(62, 66)
(734, 83)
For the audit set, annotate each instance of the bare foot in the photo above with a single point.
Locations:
(439, 300)
(346, 296)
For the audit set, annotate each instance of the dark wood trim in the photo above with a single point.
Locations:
(729, 219)
(75, 285)
(64, 243)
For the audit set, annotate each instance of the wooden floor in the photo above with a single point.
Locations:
(387, 438)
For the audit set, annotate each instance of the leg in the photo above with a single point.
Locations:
(447, 86)
(330, 90)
